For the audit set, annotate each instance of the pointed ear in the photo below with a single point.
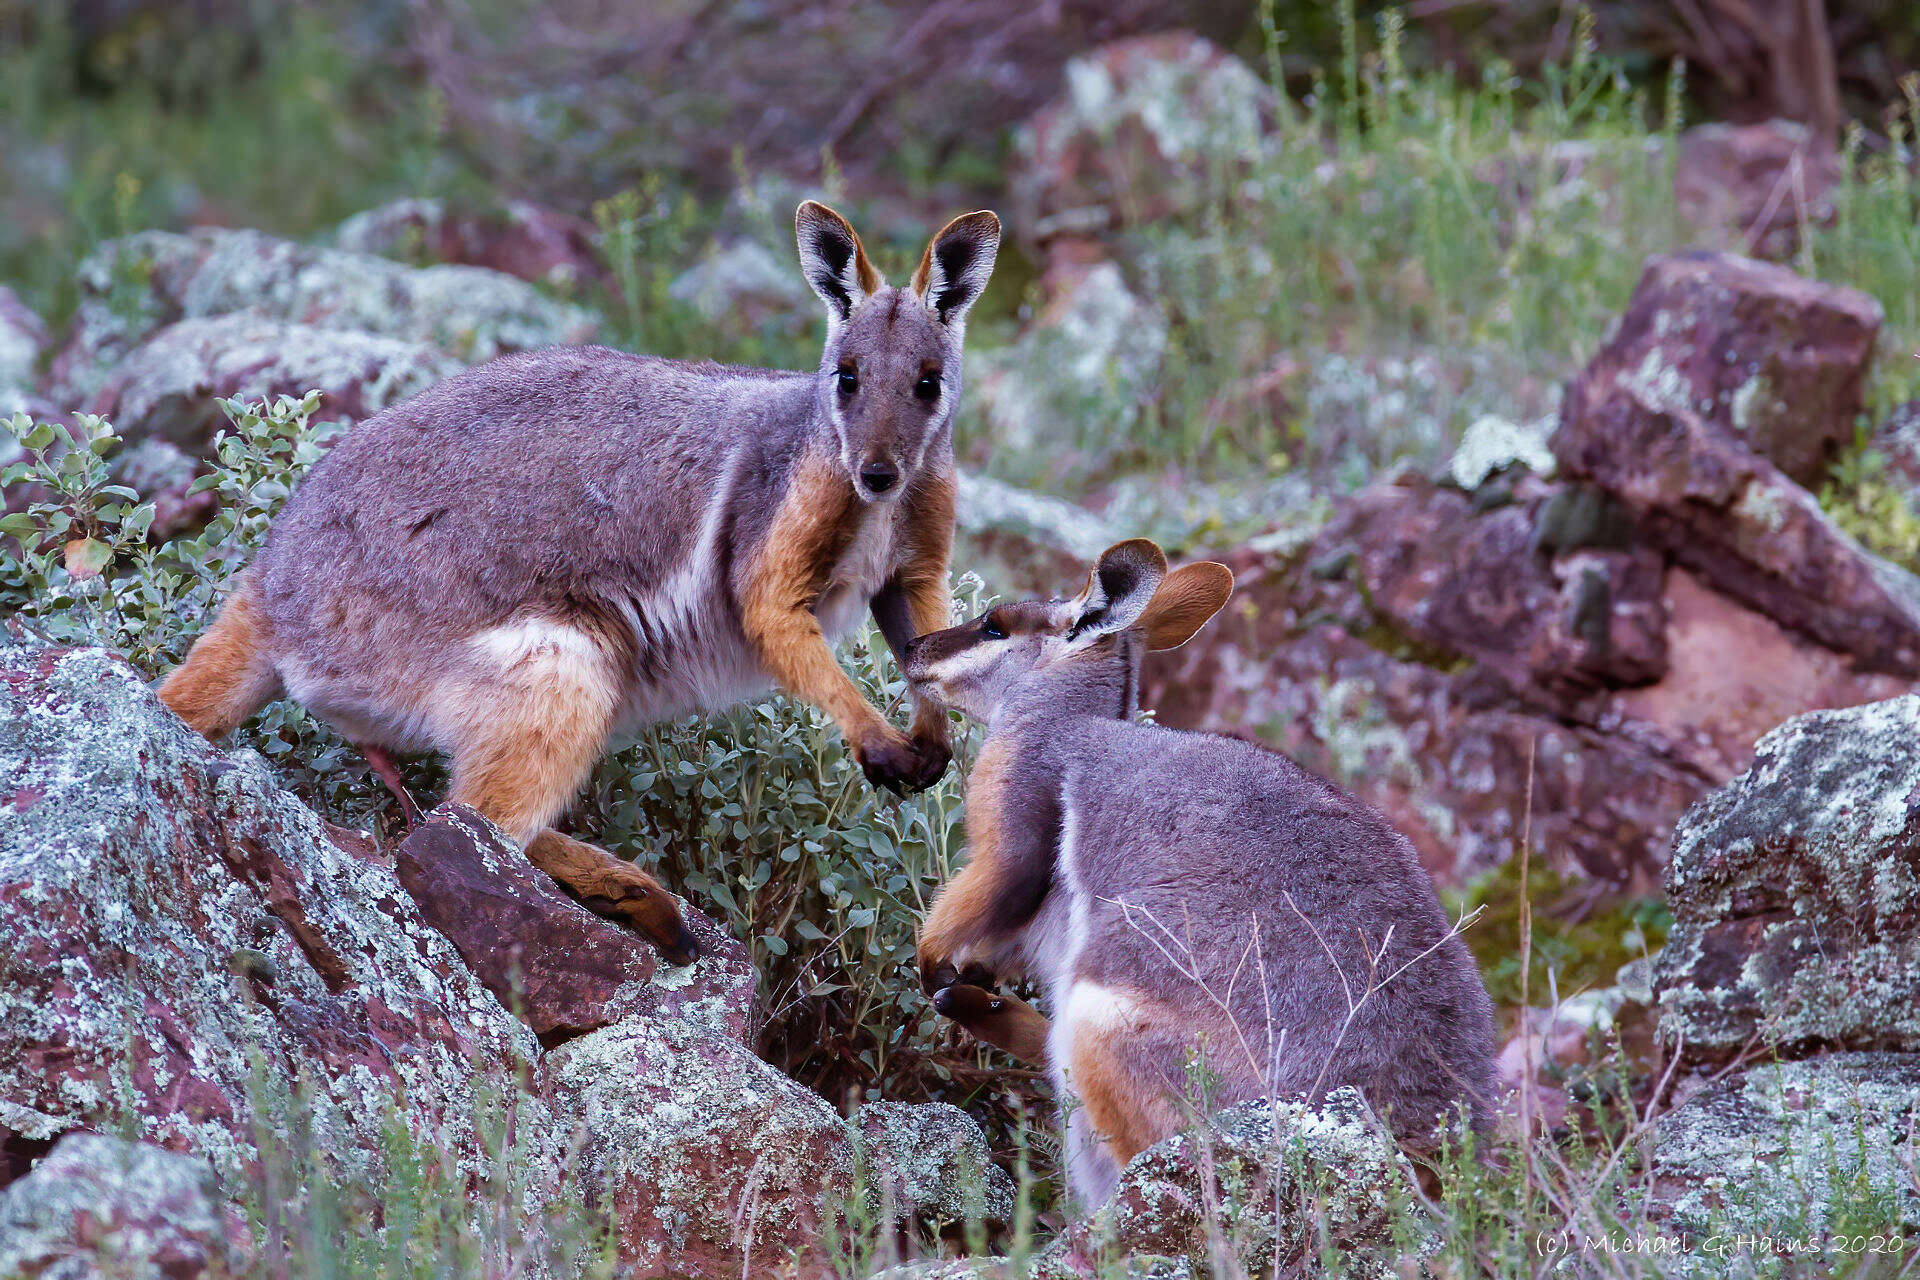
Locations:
(1184, 601)
(954, 269)
(1119, 588)
(833, 259)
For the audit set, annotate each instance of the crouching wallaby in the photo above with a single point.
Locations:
(1180, 897)
(557, 545)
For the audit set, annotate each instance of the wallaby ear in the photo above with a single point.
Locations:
(834, 260)
(1184, 601)
(1119, 588)
(954, 269)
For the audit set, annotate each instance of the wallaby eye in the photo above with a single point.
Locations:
(928, 388)
(849, 380)
(993, 630)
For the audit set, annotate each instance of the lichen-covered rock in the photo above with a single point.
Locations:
(933, 1157)
(1770, 363)
(1286, 1181)
(1493, 444)
(134, 286)
(177, 925)
(1093, 355)
(707, 1159)
(23, 335)
(169, 386)
(562, 968)
(743, 284)
(1795, 892)
(1144, 129)
(98, 1206)
(520, 238)
(1777, 1148)
(1024, 542)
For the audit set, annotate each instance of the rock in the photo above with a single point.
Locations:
(168, 386)
(1147, 127)
(1751, 187)
(1897, 440)
(182, 930)
(1492, 445)
(23, 336)
(1288, 1181)
(520, 239)
(1462, 666)
(743, 283)
(934, 1157)
(134, 286)
(1769, 364)
(173, 915)
(1788, 1143)
(1681, 458)
(104, 1207)
(1023, 543)
(1795, 892)
(1093, 356)
(705, 1157)
(562, 968)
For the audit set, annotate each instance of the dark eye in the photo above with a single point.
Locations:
(928, 388)
(993, 630)
(849, 380)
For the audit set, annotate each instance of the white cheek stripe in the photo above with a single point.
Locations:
(970, 661)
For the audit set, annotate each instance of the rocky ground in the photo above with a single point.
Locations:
(1571, 633)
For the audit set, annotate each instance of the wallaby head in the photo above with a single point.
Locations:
(890, 374)
(1130, 600)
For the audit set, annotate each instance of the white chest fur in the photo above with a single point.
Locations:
(860, 572)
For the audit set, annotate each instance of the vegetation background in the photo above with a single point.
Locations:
(1346, 301)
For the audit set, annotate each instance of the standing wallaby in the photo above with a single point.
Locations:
(554, 546)
(1178, 895)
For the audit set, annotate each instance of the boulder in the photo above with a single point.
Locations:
(1781, 1148)
(521, 239)
(100, 1206)
(1752, 187)
(1795, 893)
(163, 474)
(168, 387)
(1273, 1183)
(23, 336)
(564, 970)
(1146, 128)
(744, 284)
(1472, 662)
(1719, 362)
(177, 924)
(194, 953)
(132, 287)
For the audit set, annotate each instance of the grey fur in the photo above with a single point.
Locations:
(1188, 870)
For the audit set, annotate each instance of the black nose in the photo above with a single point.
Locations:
(878, 476)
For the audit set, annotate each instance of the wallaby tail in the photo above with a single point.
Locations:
(229, 673)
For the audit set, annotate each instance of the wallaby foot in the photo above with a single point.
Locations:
(388, 772)
(616, 889)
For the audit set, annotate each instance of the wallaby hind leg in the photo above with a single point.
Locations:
(530, 743)
(229, 673)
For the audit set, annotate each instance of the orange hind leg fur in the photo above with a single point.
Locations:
(229, 673)
(529, 743)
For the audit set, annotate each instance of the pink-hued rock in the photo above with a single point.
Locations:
(1770, 363)
(562, 968)
(1470, 671)
(520, 239)
(99, 1206)
(1750, 187)
(1146, 127)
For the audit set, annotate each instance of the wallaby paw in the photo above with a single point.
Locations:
(637, 900)
(890, 760)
